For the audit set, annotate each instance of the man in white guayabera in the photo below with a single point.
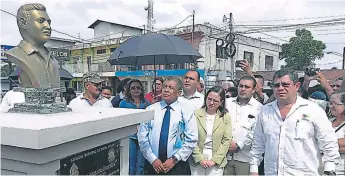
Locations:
(292, 132)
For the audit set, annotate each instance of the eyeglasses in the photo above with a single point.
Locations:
(135, 88)
(211, 99)
(335, 85)
(285, 85)
(227, 96)
(335, 104)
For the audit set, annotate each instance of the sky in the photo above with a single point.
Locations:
(74, 16)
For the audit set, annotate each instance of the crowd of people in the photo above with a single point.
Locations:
(231, 129)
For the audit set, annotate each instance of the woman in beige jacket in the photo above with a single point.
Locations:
(214, 131)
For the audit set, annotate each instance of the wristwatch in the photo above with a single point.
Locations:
(175, 159)
(329, 173)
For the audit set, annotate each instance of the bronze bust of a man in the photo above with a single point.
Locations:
(37, 68)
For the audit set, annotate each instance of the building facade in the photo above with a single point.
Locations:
(93, 55)
(262, 55)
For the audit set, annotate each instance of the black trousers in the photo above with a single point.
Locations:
(181, 168)
(261, 167)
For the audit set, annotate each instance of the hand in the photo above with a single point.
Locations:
(254, 174)
(321, 78)
(233, 147)
(211, 163)
(203, 163)
(158, 166)
(168, 164)
(245, 66)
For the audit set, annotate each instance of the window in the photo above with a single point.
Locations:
(102, 51)
(112, 50)
(268, 63)
(249, 56)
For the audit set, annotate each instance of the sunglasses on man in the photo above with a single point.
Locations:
(277, 85)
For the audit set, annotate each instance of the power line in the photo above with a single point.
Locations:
(91, 40)
(8, 12)
(334, 33)
(273, 36)
(291, 19)
(330, 63)
(339, 21)
(52, 29)
(174, 27)
(182, 21)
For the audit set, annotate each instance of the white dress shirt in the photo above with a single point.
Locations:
(340, 168)
(196, 101)
(207, 151)
(80, 103)
(242, 126)
(292, 146)
(149, 132)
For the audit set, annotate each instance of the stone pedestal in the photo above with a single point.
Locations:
(39, 101)
(95, 141)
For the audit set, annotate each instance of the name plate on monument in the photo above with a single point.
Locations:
(101, 160)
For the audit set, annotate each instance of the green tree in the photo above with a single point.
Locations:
(302, 50)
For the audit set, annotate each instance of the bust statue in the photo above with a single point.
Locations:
(38, 69)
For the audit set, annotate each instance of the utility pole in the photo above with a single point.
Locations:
(149, 10)
(232, 62)
(343, 58)
(193, 27)
(230, 23)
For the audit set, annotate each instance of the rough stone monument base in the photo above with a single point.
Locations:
(39, 101)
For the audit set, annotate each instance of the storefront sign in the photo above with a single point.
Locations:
(60, 54)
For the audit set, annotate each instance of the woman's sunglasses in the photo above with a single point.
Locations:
(135, 88)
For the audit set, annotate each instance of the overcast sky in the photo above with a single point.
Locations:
(74, 16)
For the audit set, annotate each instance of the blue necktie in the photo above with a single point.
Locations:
(163, 139)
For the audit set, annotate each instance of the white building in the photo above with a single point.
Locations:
(105, 30)
(61, 43)
(262, 55)
(92, 54)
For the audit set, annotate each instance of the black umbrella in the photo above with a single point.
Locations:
(154, 49)
(64, 74)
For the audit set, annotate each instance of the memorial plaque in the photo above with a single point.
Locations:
(102, 160)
